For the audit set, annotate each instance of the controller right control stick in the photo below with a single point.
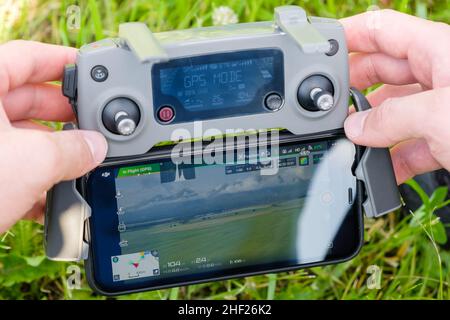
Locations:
(316, 93)
(323, 100)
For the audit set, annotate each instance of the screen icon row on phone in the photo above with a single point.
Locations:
(122, 227)
(123, 243)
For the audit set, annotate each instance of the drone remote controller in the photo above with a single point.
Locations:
(139, 89)
(143, 88)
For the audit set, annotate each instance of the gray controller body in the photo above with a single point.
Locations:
(130, 77)
(310, 47)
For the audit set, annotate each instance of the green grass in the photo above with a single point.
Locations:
(404, 248)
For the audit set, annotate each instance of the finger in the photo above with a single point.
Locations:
(385, 92)
(411, 158)
(74, 153)
(4, 121)
(37, 211)
(33, 161)
(423, 43)
(369, 69)
(386, 31)
(31, 62)
(29, 124)
(62, 155)
(38, 101)
(395, 120)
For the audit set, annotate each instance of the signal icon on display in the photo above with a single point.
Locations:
(122, 227)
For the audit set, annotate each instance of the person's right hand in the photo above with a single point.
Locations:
(411, 113)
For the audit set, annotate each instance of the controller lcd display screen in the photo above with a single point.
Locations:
(157, 223)
(218, 85)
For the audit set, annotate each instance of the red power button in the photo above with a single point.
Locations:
(166, 114)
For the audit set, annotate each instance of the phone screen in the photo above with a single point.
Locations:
(159, 222)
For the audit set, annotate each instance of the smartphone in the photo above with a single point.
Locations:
(158, 222)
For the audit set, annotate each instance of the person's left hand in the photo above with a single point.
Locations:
(32, 157)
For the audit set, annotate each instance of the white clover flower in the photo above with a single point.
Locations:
(224, 15)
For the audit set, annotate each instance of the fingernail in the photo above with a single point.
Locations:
(97, 144)
(354, 124)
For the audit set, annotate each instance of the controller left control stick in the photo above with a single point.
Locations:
(121, 116)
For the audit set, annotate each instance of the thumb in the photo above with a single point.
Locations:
(36, 160)
(33, 161)
(394, 121)
(74, 153)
